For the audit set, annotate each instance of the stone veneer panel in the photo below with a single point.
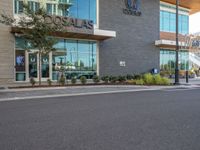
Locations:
(6, 46)
(135, 39)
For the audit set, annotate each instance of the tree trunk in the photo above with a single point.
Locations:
(39, 69)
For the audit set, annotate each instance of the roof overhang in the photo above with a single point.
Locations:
(168, 44)
(193, 5)
(98, 35)
(186, 42)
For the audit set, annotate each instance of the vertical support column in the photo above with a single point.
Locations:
(97, 13)
(97, 55)
(50, 66)
(177, 44)
(27, 65)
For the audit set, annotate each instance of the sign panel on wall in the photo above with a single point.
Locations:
(132, 7)
(71, 24)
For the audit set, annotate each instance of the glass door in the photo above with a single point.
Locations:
(45, 66)
(33, 66)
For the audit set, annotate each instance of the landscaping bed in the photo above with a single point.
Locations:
(144, 79)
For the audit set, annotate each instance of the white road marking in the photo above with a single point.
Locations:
(181, 89)
(75, 94)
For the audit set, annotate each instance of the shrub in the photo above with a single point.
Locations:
(32, 81)
(139, 82)
(163, 73)
(137, 77)
(49, 82)
(165, 81)
(83, 80)
(62, 80)
(148, 79)
(105, 79)
(96, 79)
(131, 82)
(129, 77)
(73, 80)
(121, 78)
(158, 79)
(113, 79)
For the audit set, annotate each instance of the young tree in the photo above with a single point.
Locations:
(35, 31)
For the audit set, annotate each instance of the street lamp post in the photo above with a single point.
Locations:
(177, 44)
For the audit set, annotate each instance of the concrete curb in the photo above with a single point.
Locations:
(76, 87)
(76, 94)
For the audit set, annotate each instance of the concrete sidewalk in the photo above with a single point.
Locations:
(38, 93)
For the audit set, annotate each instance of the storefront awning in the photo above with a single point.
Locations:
(168, 44)
(98, 35)
(193, 5)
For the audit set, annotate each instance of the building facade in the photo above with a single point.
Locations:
(167, 32)
(126, 38)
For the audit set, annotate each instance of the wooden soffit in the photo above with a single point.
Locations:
(193, 5)
(73, 35)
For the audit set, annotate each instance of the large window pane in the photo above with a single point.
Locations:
(83, 9)
(33, 69)
(51, 8)
(78, 59)
(168, 22)
(93, 12)
(45, 66)
(167, 60)
(20, 65)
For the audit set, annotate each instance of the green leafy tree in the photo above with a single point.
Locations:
(79, 63)
(33, 28)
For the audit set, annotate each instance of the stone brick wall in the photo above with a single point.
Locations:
(135, 39)
(6, 46)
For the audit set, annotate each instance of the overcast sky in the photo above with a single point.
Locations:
(195, 23)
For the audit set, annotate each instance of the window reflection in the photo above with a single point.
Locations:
(168, 22)
(167, 60)
(82, 9)
(77, 58)
(20, 65)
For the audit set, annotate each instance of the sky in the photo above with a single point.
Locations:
(195, 23)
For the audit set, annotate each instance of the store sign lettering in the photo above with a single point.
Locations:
(69, 22)
(196, 43)
(132, 7)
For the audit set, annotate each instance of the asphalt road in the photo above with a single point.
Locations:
(153, 120)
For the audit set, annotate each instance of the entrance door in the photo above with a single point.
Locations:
(45, 66)
(33, 66)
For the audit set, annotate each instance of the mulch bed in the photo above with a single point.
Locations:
(67, 85)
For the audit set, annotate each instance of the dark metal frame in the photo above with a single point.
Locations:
(177, 44)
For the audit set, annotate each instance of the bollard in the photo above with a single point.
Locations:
(187, 77)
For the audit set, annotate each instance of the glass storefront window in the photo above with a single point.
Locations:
(75, 58)
(20, 65)
(19, 43)
(51, 8)
(45, 66)
(82, 9)
(34, 6)
(78, 59)
(167, 60)
(33, 68)
(168, 22)
(18, 6)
